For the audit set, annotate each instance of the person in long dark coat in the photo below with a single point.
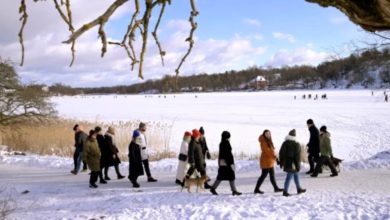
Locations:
(226, 170)
(135, 160)
(103, 152)
(313, 145)
(110, 143)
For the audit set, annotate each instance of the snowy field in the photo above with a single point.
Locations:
(356, 119)
(361, 191)
(359, 124)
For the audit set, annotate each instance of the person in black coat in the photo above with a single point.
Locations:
(135, 160)
(110, 144)
(103, 151)
(226, 165)
(313, 145)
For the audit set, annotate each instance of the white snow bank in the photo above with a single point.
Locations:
(380, 160)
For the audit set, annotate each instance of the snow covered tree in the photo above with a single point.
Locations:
(19, 103)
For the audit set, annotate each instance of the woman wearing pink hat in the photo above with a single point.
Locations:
(183, 158)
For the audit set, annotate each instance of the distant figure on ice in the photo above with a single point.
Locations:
(205, 149)
(295, 97)
(144, 151)
(290, 161)
(386, 98)
(324, 96)
(267, 162)
(226, 170)
(326, 153)
(313, 145)
(80, 137)
(183, 159)
(309, 96)
(372, 92)
(196, 157)
(316, 97)
(110, 142)
(103, 152)
(135, 159)
(91, 155)
(304, 96)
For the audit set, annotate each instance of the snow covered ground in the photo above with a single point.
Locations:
(356, 119)
(359, 124)
(360, 192)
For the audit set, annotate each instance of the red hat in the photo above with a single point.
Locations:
(195, 133)
(187, 134)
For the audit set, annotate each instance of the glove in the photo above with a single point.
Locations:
(233, 167)
(208, 155)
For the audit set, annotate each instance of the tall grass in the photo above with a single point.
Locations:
(56, 137)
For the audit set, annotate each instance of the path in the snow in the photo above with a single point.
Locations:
(56, 194)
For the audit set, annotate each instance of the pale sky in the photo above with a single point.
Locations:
(231, 35)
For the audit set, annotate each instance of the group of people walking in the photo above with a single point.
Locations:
(100, 152)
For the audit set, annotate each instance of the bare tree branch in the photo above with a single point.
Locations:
(23, 18)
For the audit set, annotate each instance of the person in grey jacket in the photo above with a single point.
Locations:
(80, 139)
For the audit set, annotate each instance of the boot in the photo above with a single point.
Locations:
(93, 185)
(151, 179)
(120, 176)
(333, 174)
(107, 178)
(102, 181)
(257, 191)
(212, 190)
(236, 193)
(178, 182)
(309, 172)
(300, 191)
(286, 194)
(135, 184)
(207, 186)
(314, 175)
(278, 190)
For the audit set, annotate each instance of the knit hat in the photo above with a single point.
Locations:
(135, 133)
(292, 133)
(201, 130)
(323, 128)
(195, 133)
(310, 121)
(92, 132)
(187, 134)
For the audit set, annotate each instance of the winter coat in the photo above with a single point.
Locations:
(314, 141)
(205, 149)
(91, 154)
(289, 155)
(110, 144)
(195, 154)
(268, 156)
(325, 145)
(144, 150)
(183, 161)
(80, 138)
(106, 158)
(135, 161)
(225, 161)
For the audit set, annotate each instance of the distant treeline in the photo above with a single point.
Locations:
(357, 69)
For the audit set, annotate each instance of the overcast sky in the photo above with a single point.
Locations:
(232, 34)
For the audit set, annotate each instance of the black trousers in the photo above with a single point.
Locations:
(116, 170)
(264, 174)
(313, 158)
(146, 166)
(94, 177)
(325, 160)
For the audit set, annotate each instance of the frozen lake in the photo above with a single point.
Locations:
(358, 122)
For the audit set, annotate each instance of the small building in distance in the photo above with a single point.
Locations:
(259, 83)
